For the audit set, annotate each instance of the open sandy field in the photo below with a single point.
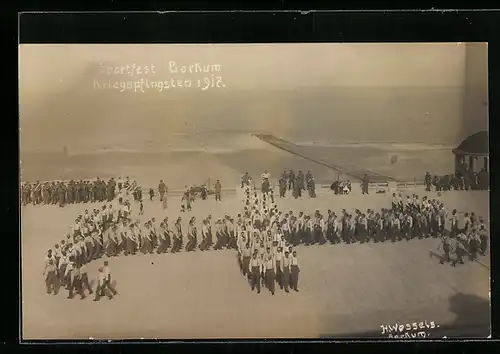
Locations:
(344, 289)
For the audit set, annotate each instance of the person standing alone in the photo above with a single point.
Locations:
(218, 191)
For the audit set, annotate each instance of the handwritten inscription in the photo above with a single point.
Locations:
(129, 70)
(147, 77)
(415, 330)
(192, 68)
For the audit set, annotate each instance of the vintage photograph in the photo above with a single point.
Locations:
(250, 191)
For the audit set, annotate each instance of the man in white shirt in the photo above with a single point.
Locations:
(75, 281)
(246, 255)
(50, 276)
(270, 272)
(285, 271)
(294, 271)
(108, 280)
(84, 278)
(101, 286)
(255, 268)
(278, 258)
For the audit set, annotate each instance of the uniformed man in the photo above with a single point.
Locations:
(162, 188)
(218, 190)
(108, 279)
(75, 281)
(245, 180)
(84, 279)
(365, 184)
(147, 246)
(483, 236)
(177, 237)
(454, 223)
(50, 273)
(445, 245)
(191, 244)
(294, 271)
(162, 240)
(460, 250)
(282, 186)
(270, 272)
(255, 268)
(101, 287)
(285, 271)
(246, 255)
(474, 242)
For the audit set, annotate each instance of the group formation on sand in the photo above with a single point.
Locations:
(265, 237)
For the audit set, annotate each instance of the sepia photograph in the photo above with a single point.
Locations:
(233, 191)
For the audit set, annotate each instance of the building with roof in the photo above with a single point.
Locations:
(473, 153)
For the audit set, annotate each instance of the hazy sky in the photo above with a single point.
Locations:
(411, 92)
(45, 68)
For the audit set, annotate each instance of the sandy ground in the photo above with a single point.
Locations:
(344, 289)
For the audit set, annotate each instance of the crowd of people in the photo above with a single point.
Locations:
(74, 192)
(460, 181)
(288, 181)
(264, 237)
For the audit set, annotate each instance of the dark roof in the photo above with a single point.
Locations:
(476, 144)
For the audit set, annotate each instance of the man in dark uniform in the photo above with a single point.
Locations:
(445, 245)
(301, 180)
(428, 181)
(297, 189)
(75, 282)
(218, 190)
(282, 185)
(245, 180)
(294, 271)
(162, 189)
(291, 179)
(62, 195)
(285, 271)
(366, 181)
(483, 237)
(459, 250)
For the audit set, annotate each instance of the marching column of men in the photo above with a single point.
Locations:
(264, 236)
(264, 255)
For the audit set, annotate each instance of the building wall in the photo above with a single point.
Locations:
(475, 107)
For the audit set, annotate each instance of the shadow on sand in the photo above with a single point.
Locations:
(472, 321)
